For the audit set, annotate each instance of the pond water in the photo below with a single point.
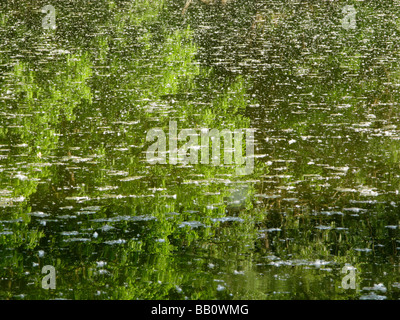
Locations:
(316, 81)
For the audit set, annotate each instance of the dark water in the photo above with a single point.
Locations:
(77, 191)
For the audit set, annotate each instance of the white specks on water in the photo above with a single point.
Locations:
(59, 52)
(106, 228)
(270, 230)
(367, 191)
(355, 210)
(220, 288)
(377, 287)
(238, 272)
(372, 296)
(112, 242)
(299, 262)
(192, 224)
(178, 289)
(77, 240)
(350, 139)
(131, 178)
(363, 249)
(101, 264)
(21, 176)
(6, 232)
(331, 213)
(18, 199)
(323, 227)
(103, 271)
(69, 233)
(319, 263)
(107, 188)
(78, 199)
(226, 219)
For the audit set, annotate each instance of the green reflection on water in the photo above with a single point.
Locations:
(76, 191)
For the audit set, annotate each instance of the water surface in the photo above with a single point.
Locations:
(77, 192)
